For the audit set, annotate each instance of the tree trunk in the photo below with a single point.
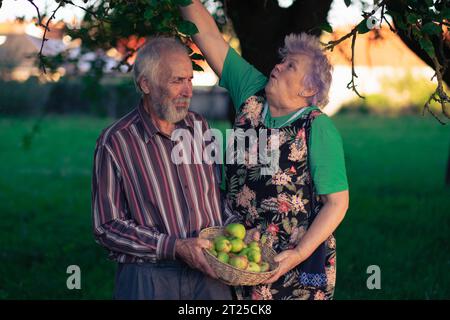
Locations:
(262, 25)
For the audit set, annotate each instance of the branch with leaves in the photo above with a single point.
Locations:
(108, 23)
(422, 20)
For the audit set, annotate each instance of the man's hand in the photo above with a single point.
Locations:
(190, 251)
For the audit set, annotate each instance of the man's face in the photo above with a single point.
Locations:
(171, 97)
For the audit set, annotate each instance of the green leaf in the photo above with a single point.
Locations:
(148, 14)
(362, 27)
(398, 19)
(187, 28)
(445, 14)
(348, 3)
(427, 45)
(196, 67)
(431, 28)
(412, 18)
(182, 3)
(326, 27)
(197, 56)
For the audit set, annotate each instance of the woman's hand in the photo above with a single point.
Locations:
(208, 38)
(288, 260)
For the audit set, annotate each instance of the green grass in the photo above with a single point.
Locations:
(398, 217)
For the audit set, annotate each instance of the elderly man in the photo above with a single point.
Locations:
(147, 210)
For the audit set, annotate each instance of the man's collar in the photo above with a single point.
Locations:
(150, 127)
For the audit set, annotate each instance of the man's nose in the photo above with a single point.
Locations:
(187, 90)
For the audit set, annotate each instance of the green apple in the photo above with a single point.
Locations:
(222, 245)
(240, 262)
(213, 252)
(236, 230)
(244, 252)
(223, 257)
(253, 267)
(236, 245)
(219, 238)
(254, 245)
(254, 255)
(264, 266)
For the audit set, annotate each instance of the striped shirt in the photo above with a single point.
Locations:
(141, 201)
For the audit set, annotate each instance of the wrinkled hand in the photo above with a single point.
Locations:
(288, 260)
(190, 251)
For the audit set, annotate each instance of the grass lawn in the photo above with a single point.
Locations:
(398, 217)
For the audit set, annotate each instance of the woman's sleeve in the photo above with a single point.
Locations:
(240, 78)
(326, 157)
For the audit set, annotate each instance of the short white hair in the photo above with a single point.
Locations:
(319, 74)
(149, 57)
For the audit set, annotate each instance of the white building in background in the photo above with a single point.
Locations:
(20, 44)
(379, 55)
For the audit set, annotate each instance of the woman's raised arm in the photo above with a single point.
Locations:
(208, 39)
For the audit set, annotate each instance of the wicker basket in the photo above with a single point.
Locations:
(234, 276)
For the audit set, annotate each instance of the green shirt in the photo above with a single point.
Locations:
(326, 153)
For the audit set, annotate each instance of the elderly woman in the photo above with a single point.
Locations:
(296, 208)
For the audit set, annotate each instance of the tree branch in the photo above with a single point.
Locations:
(41, 56)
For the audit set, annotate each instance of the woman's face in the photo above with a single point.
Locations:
(286, 79)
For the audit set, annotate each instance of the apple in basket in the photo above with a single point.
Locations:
(254, 255)
(264, 266)
(222, 244)
(223, 257)
(240, 262)
(237, 245)
(235, 230)
(253, 266)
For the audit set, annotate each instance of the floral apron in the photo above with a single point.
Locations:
(282, 204)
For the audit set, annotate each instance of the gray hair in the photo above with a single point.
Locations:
(319, 74)
(149, 57)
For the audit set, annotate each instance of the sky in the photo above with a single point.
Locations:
(339, 14)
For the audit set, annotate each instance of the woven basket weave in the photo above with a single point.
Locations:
(234, 276)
